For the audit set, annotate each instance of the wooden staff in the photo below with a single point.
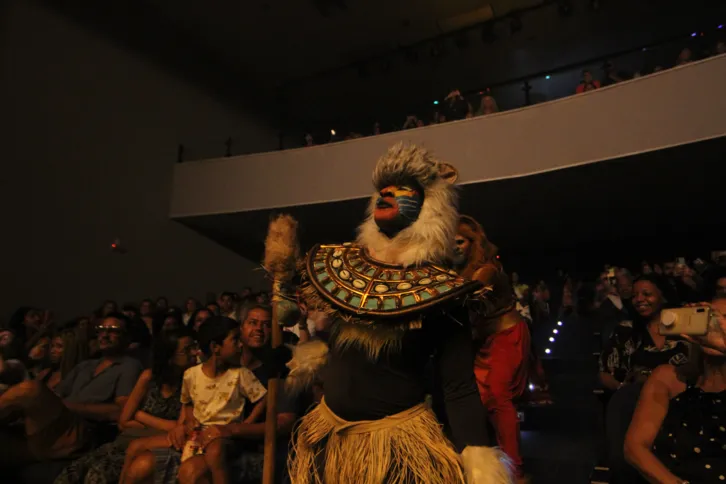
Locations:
(273, 385)
(281, 255)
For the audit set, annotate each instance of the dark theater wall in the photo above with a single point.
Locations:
(89, 141)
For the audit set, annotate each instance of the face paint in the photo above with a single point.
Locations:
(397, 208)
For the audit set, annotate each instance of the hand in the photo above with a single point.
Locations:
(714, 341)
(190, 425)
(177, 437)
(210, 434)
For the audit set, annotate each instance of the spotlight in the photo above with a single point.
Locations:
(559, 323)
(693, 34)
(555, 331)
(548, 351)
(436, 102)
(552, 340)
(531, 387)
(547, 77)
(332, 131)
(720, 26)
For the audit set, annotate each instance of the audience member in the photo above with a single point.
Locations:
(677, 432)
(130, 311)
(91, 395)
(684, 57)
(65, 354)
(198, 317)
(633, 351)
(214, 395)
(455, 106)
(587, 83)
(488, 106)
(152, 409)
(146, 308)
(162, 304)
(37, 360)
(227, 305)
(190, 307)
(25, 323)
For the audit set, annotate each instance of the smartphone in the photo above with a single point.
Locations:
(690, 321)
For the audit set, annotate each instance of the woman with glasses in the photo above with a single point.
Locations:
(152, 410)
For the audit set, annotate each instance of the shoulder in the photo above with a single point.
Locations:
(131, 363)
(192, 372)
(667, 378)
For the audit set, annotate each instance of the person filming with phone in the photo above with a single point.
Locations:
(678, 431)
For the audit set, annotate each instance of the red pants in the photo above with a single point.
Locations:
(501, 367)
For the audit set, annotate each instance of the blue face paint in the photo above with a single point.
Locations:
(397, 208)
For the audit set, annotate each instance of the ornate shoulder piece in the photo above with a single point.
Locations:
(351, 281)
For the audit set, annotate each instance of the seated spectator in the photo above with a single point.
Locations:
(65, 354)
(455, 106)
(634, 350)
(162, 304)
(25, 323)
(152, 409)
(677, 433)
(214, 307)
(488, 106)
(198, 317)
(587, 83)
(146, 308)
(106, 308)
(189, 307)
(214, 396)
(227, 306)
(130, 311)
(37, 360)
(720, 47)
(684, 57)
(57, 426)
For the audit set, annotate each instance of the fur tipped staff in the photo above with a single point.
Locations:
(281, 255)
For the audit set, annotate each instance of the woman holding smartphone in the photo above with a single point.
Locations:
(678, 432)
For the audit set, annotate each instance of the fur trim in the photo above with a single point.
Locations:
(482, 250)
(430, 238)
(487, 465)
(373, 339)
(307, 360)
(281, 248)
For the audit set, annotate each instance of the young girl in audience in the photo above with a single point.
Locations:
(213, 395)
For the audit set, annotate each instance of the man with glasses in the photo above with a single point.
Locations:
(85, 407)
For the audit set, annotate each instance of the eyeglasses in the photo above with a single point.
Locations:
(109, 329)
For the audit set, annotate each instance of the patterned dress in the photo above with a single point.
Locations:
(629, 350)
(692, 439)
(104, 465)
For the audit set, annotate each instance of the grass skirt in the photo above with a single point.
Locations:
(405, 448)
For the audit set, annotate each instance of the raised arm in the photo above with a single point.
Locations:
(647, 420)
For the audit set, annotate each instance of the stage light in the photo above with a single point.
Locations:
(531, 387)
(555, 331)
(720, 26)
(548, 351)
(552, 340)
(547, 77)
(693, 34)
(559, 323)
(332, 131)
(436, 102)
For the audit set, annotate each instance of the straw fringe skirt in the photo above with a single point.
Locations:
(405, 448)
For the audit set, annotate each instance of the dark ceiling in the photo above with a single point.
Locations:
(622, 208)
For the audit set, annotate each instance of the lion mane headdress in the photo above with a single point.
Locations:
(429, 238)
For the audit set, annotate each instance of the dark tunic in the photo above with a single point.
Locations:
(358, 388)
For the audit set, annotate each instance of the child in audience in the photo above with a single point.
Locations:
(213, 395)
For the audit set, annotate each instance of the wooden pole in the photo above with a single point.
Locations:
(273, 386)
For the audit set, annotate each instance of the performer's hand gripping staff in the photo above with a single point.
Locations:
(281, 256)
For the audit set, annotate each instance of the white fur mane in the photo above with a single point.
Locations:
(430, 238)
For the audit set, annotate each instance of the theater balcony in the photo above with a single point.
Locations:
(640, 160)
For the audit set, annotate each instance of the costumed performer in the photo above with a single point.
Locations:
(394, 303)
(504, 363)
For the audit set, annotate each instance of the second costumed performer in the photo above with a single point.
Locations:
(394, 304)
